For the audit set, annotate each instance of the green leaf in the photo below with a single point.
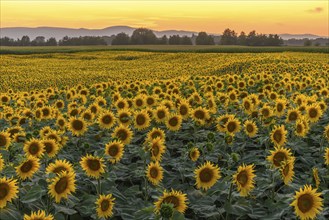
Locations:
(33, 194)
(63, 209)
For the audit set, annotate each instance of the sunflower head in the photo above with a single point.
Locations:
(104, 206)
(40, 214)
(8, 191)
(51, 147)
(62, 186)
(28, 167)
(141, 120)
(157, 149)
(307, 203)
(314, 112)
(154, 173)
(176, 198)
(93, 166)
(174, 122)
(326, 132)
(2, 163)
(233, 126)
(154, 133)
(59, 166)
(326, 156)
(106, 120)
(287, 170)
(123, 133)
(244, 179)
(34, 147)
(77, 126)
(194, 154)
(115, 150)
(206, 175)
(278, 135)
(4, 139)
(279, 155)
(250, 128)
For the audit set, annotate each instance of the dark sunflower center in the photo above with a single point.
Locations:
(87, 116)
(155, 150)
(199, 114)
(61, 185)
(231, 126)
(150, 101)
(121, 105)
(161, 114)
(45, 112)
(77, 125)
(246, 105)
(305, 203)
(93, 164)
(173, 121)
(278, 158)
(286, 170)
(155, 134)
(34, 148)
(171, 199)
(266, 112)
(59, 169)
(4, 190)
(139, 102)
(93, 109)
(206, 175)
(313, 113)
(113, 150)
(277, 136)
(122, 134)
(279, 107)
(140, 119)
(74, 112)
(105, 204)
(27, 166)
(242, 178)
(299, 128)
(107, 119)
(124, 118)
(61, 122)
(49, 147)
(250, 128)
(3, 140)
(293, 116)
(154, 172)
(183, 110)
(232, 96)
(59, 105)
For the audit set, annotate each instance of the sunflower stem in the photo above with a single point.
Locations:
(229, 197)
(145, 179)
(99, 186)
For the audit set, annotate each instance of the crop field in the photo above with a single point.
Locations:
(164, 135)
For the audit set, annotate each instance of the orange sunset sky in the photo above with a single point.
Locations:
(265, 16)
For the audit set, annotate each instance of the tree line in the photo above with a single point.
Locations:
(144, 36)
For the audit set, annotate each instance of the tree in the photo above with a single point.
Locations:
(229, 37)
(204, 39)
(143, 36)
(307, 42)
(25, 41)
(121, 39)
(51, 42)
(38, 41)
(174, 40)
(185, 40)
(242, 39)
(163, 40)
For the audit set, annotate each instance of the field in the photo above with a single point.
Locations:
(98, 133)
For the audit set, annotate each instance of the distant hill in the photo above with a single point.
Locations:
(59, 33)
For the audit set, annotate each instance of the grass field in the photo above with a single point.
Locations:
(161, 48)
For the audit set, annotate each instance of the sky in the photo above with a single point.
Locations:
(264, 16)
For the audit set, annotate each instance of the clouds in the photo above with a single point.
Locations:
(315, 10)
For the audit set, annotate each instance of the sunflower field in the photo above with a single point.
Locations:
(150, 135)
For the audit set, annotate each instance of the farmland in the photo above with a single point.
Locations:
(161, 134)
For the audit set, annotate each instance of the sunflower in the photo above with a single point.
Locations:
(51, 147)
(250, 128)
(77, 126)
(34, 147)
(62, 186)
(58, 166)
(141, 120)
(93, 166)
(121, 103)
(233, 126)
(161, 113)
(206, 175)
(28, 168)
(266, 111)
(106, 120)
(326, 132)
(278, 135)
(176, 198)
(280, 106)
(115, 150)
(279, 155)
(174, 122)
(39, 215)
(313, 112)
(244, 179)
(221, 122)
(293, 115)
(326, 156)
(124, 117)
(154, 173)
(2, 163)
(307, 203)
(301, 128)
(123, 133)
(104, 206)
(88, 116)
(287, 170)
(184, 109)
(194, 154)
(8, 191)
(4, 139)
(200, 115)
(154, 133)
(61, 122)
(316, 176)
(157, 148)
(247, 105)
